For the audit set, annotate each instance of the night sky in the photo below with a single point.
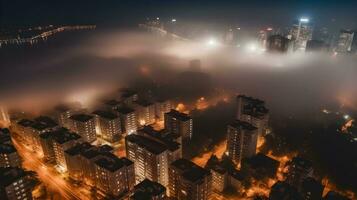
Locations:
(330, 13)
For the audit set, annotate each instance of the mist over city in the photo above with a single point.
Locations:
(154, 99)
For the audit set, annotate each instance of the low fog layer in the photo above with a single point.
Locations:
(100, 62)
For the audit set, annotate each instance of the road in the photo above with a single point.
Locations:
(48, 176)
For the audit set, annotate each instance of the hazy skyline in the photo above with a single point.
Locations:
(331, 13)
(291, 83)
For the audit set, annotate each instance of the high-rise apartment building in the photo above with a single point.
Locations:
(253, 111)
(109, 125)
(128, 118)
(55, 143)
(150, 158)
(179, 123)
(145, 112)
(189, 181)
(64, 111)
(114, 176)
(173, 142)
(162, 107)
(15, 184)
(84, 125)
(241, 141)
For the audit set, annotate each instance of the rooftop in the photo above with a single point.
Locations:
(78, 149)
(125, 110)
(190, 171)
(62, 108)
(143, 102)
(105, 114)
(61, 135)
(125, 93)
(219, 169)
(147, 189)
(251, 99)
(178, 115)
(147, 143)
(166, 139)
(237, 175)
(112, 102)
(25, 122)
(242, 125)
(67, 107)
(43, 122)
(81, 117)
(254, 107)
(89, 151)
(112, 163)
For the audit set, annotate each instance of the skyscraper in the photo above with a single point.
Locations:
(263, 36)
(347, 41)
(179, 123)
(253, 111)
(277, 43)
(300, 33)
(84, 125)
(149, 157)
(242, 140)
(189, 181)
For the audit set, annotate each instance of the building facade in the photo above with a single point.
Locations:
(253, 111)
(15, 184)
(109, 126)
(242, 140)
(189, 181)
(128, 118)
(179, 123)
(84, 125)
(150, 158)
